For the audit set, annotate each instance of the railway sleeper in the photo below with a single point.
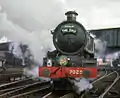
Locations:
(115, 92)
(94, 93)
(113, 96)
(107, 80)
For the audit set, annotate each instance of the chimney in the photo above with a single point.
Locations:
(71, 15)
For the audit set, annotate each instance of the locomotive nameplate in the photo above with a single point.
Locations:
(69, 29)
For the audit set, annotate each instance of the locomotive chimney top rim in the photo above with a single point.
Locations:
(71, 15)
(71, 12)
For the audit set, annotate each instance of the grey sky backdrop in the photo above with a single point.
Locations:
(30, 21)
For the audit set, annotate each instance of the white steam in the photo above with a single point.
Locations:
(100, 46)
(29, 22)
(25, 21)
(81, 84)
(113, 56)
(31, 73)
(34, 73)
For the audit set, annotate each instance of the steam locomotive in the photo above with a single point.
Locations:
(74, 49)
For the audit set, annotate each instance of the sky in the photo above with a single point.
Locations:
(95, 14)
(30, 21)
(37, 14)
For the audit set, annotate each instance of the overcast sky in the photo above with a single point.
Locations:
(97, 13)
(30, 21)
(37, 14)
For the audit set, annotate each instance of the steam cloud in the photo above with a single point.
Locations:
(25, 21)
(113, 56)
(100, 46)
(81, 84)
(34, 74)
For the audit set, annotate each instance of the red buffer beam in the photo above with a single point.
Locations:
(65, 72)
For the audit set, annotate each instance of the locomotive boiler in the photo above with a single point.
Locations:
(74, 54)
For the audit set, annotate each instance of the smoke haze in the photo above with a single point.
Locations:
(29, 22)
(25, 21)
(100, 46)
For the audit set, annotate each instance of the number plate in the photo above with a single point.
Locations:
(75, 72)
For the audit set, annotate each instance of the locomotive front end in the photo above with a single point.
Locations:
(74, 54)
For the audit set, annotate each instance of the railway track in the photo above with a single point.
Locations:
(101, 75)
(104, 78)
(15, 85)
(113, 91)
(70, 94)
(27, 90)
(101, 85)
(6, 78)
(11, 75)
(60, 94)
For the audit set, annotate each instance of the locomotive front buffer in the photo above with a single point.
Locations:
(87, 70)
